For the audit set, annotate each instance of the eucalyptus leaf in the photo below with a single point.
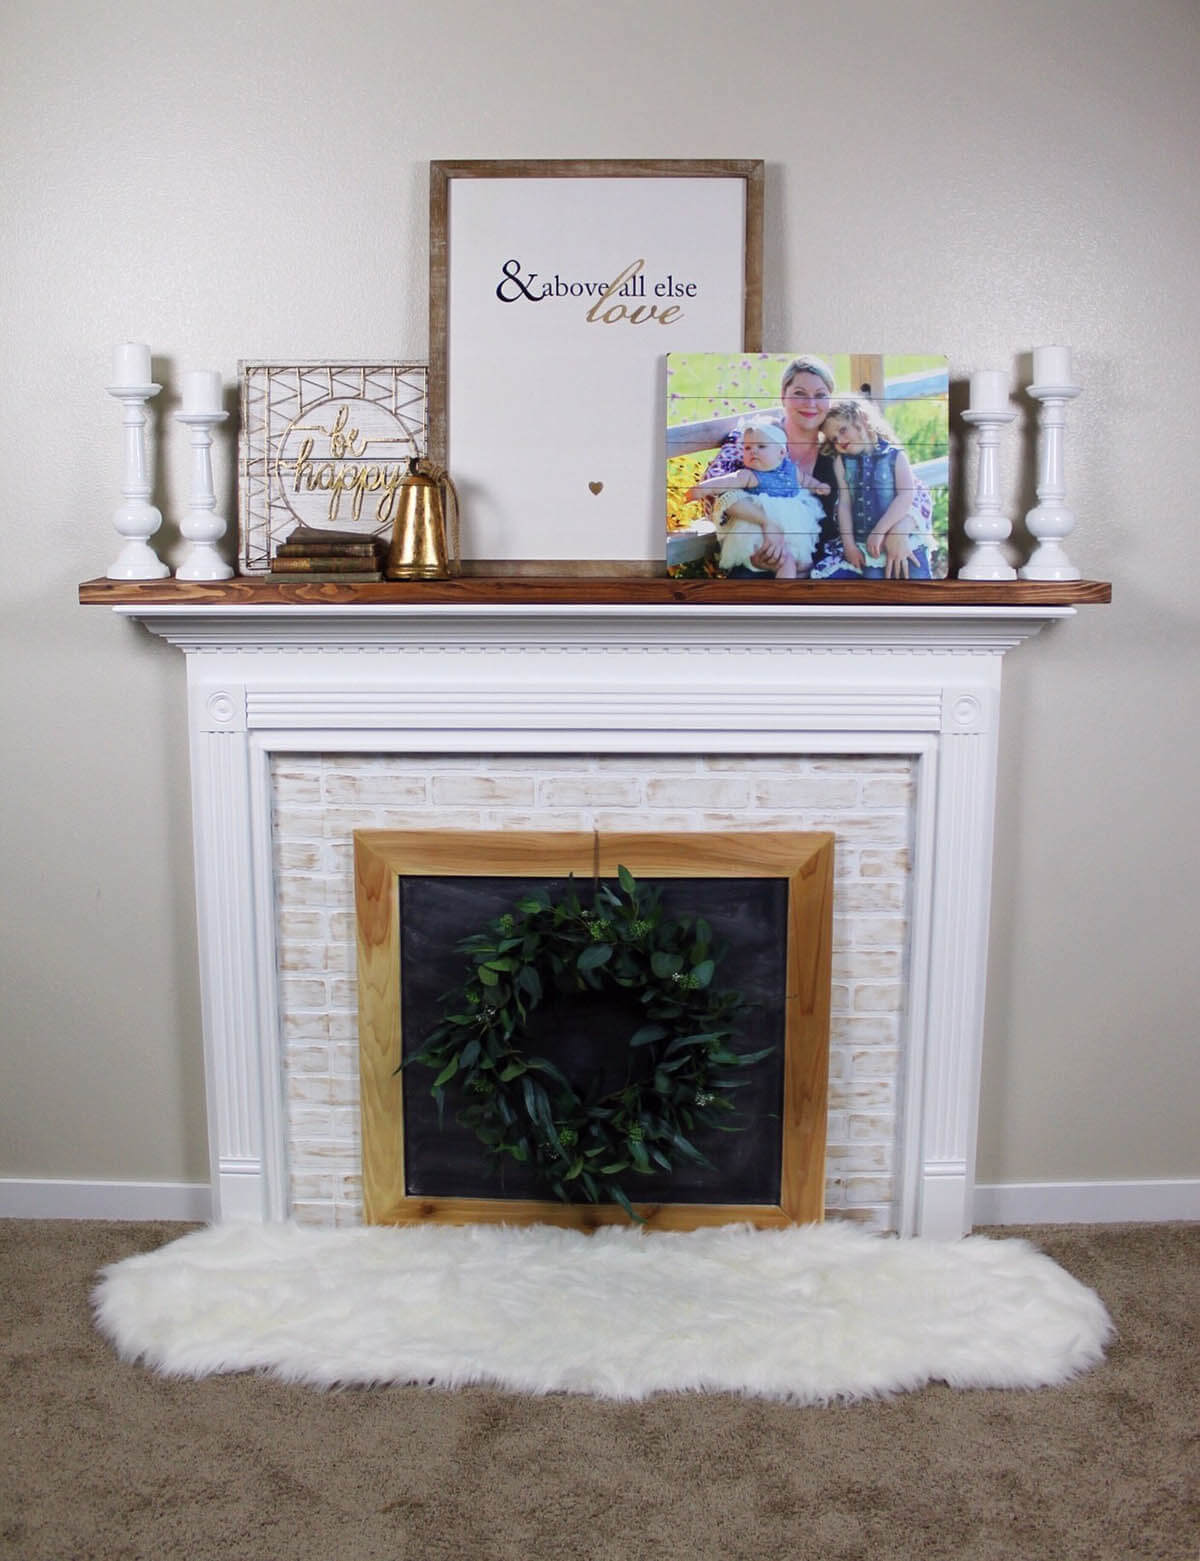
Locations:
(530, 983)
(542, 1065)
(702, 973)
(705, 1038)
(690, 1150)
(619, 1196)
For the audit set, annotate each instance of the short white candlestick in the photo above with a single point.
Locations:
(202, 527)
(1051, 520)
(987, 526)
(136, 519)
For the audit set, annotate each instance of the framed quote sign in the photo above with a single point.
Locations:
(556, 291)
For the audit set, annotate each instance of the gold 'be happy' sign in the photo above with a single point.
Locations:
(325, 445)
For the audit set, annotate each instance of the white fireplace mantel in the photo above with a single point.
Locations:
(380, 677)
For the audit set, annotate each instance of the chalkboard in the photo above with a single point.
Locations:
(588, 1034)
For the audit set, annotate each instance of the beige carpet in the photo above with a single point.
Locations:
(106, 1461)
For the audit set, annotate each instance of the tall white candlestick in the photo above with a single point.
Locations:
(1052, 520)
(202, 528)
(135, 518)
(131, 365)
(987, 526)
(1052, 366)
(202, 391)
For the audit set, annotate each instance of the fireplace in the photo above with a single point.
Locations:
(618, 980)
(878, 724)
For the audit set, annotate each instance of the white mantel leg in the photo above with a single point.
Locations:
(958, 965)
(232, 876)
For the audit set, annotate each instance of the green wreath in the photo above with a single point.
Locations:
(682, 1061)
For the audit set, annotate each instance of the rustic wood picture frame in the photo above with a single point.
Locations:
(804, 861)
(577, 493)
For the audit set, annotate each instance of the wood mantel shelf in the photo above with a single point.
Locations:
(593, 590)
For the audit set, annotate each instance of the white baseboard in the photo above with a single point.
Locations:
(1086, 1203)
(27, 1199)
(1006, 1203)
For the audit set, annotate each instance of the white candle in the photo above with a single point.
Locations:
(1052, 366)
(131, 364)
(989, 390)
(202, 391)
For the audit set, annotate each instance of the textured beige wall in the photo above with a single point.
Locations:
(234, 181)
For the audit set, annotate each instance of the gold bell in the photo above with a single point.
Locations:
(419, 549)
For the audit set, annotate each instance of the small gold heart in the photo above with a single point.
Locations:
(595, 486)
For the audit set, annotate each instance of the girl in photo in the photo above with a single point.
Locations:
(877, 494)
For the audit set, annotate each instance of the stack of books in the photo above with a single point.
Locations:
(313, 554)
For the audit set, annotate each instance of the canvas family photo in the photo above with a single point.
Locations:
(795, 466)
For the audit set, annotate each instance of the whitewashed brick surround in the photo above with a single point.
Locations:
(319, 800)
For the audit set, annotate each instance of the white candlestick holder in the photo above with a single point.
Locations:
(136, 519)
(1051, 520)
(202, 527)
(987, 526)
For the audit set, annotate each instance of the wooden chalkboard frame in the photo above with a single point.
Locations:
(803, 860)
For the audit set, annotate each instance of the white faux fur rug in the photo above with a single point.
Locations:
(809, 1314)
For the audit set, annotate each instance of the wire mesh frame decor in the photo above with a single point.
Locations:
(324, 444)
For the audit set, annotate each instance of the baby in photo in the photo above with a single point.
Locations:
(764, 498)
